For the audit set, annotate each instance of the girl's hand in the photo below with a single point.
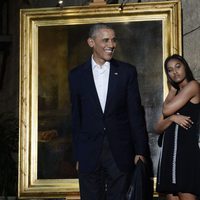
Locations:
(182, 120)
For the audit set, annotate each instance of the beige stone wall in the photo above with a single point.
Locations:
(191, 34)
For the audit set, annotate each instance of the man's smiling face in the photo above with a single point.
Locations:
(103, 44)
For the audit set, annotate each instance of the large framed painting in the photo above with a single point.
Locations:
(52, 42)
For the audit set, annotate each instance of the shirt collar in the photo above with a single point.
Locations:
(94, 64)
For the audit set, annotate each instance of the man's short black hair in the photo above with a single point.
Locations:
(96, 27)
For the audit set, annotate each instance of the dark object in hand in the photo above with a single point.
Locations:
(139, 187)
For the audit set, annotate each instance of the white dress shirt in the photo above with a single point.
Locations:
(101, 78)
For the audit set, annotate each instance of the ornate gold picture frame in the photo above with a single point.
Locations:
(52, 41)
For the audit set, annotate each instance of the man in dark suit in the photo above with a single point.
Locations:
(108, 125)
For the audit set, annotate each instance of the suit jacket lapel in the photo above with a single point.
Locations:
(112, 84)
(89, 80)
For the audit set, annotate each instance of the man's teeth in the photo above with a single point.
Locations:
(108, 50)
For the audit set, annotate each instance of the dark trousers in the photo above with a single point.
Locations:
(107, 182)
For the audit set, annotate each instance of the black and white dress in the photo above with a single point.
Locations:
(179, 164)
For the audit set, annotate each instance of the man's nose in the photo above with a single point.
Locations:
(111, 43)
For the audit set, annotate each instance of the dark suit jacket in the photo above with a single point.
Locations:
(122, 121)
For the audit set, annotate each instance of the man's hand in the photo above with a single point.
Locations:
(137, 157)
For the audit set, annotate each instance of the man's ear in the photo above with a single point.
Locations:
(90, 42)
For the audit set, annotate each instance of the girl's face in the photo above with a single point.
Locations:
(176, 70)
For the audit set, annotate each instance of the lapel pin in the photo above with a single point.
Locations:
(116, 73)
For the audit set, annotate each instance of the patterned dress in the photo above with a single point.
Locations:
(179, 164)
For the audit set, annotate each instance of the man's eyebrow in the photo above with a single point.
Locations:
(107, 38)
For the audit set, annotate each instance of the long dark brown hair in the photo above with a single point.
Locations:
(188, 72)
